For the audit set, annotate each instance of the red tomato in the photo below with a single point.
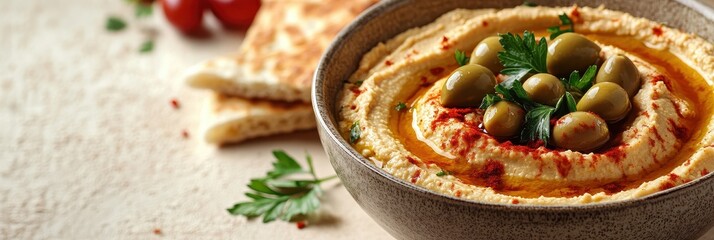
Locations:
(234, 13)
(186, 15)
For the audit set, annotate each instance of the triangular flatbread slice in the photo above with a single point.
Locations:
(281, 50)
(234, 119)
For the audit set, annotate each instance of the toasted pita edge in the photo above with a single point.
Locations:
(223, 75)
(234, 119)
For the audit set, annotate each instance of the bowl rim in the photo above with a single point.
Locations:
(322, 115)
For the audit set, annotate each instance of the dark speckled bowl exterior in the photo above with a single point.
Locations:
(410, 212)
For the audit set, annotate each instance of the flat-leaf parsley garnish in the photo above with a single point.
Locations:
(579, 85)
(461, 57)
(355, 132)
(115, 24)
(400, 106)
(565, 21)
(522, 56)
(275, 197)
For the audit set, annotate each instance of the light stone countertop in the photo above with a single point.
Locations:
(90, 147)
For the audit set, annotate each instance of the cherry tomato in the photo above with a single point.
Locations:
(186, 15)
(235, 14)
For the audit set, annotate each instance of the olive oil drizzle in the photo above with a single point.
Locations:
(686, 83)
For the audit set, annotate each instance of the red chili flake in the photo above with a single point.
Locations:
(301, 224)
(562, 163)
(175, 103)
(654, 131)
(353, 107)
(575, 15)
(492, 174)
(705, 172)
(484, 23)
(436, 71)
(388, 63)
(451, 113)
(655, 95)
(445, 43)
(458, 193)
(515, 201)
(657, 31)
(661, 78)
(679, 131)
(444, 39)
(416, 175)
(655, 106)
(157, 231)
(673, 177)
(356, 90)
(412, 160)
(666, 186)
(646, 114)
(184, 133)
(616, 154)
(612, 188)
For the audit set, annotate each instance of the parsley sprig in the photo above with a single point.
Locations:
(565, 21)
(400, 106)
(578, 85)
(114, 24)
(461, 57)
(275, 197)
(522, 56)
(355, 132)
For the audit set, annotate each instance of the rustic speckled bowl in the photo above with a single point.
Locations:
(410, 212)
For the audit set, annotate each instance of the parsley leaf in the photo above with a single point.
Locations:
(355, 132)
(461, 57)
(537, 124)
(517, 94)
(522, 55)
(115, 24)
(443, 173)
(579, 85)
(565, 105)
(276, 198)
(489, 100)
(400, 106)
(284, 165)
(147, 46)
(565, 21)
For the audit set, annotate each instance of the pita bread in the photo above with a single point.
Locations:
(281, 50)
(234, 119)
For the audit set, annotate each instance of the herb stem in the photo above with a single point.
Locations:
(318, 181)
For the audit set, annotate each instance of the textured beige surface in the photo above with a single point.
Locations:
(91, 149)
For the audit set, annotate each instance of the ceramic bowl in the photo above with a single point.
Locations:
(408, 211)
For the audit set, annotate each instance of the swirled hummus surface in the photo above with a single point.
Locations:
(665, 140)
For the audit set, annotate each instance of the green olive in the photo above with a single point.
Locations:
(467, 86)
(503, 119)
(544, 88)
(620, 70)
(569, 52)
(486, 54)
(580, 131)
(606, 99)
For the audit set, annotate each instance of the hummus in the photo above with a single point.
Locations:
(665, 141)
